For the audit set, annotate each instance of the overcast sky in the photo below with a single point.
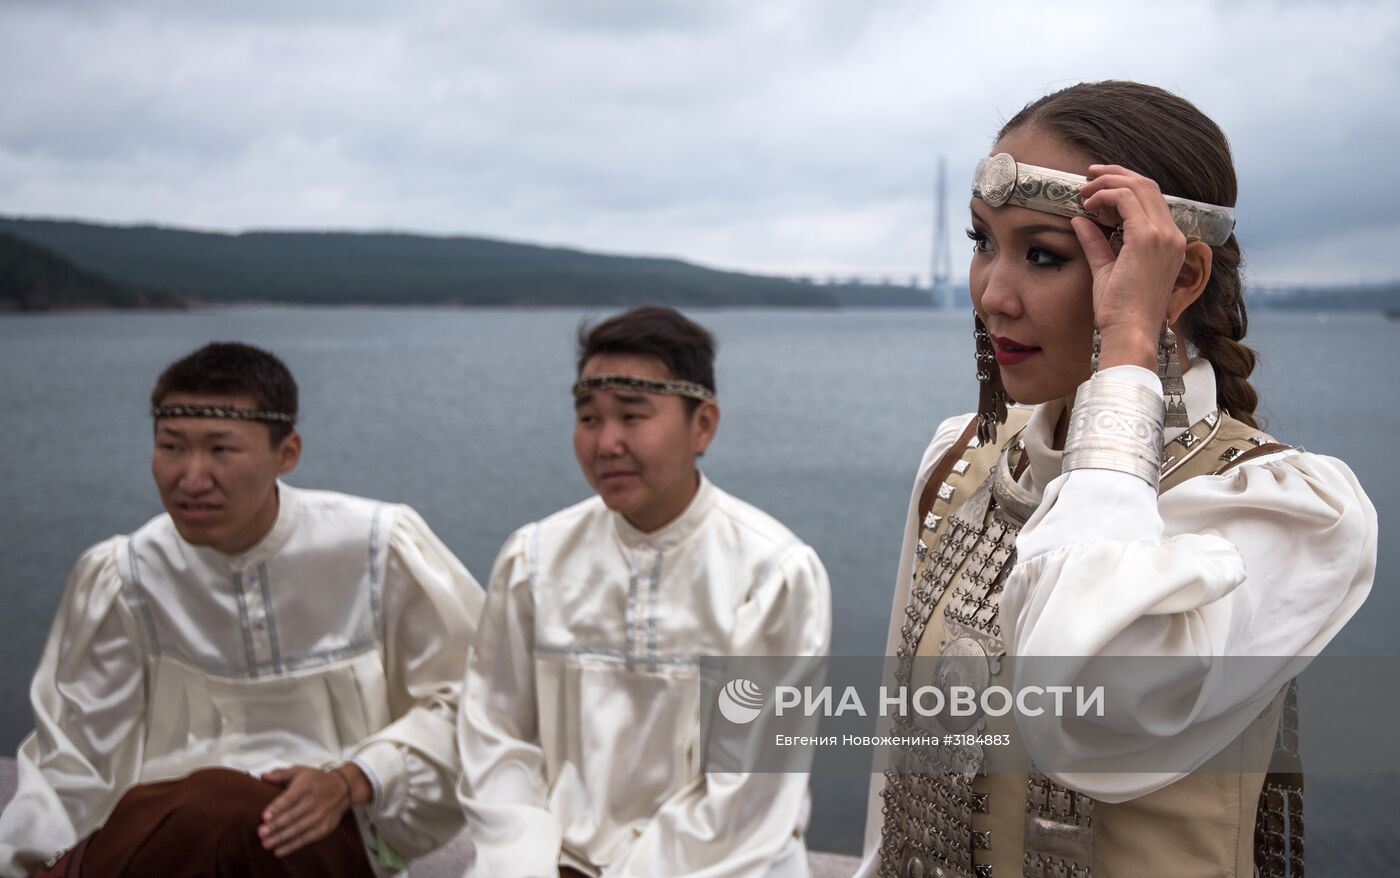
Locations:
(777, 136)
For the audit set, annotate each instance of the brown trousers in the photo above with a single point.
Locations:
(206, 826)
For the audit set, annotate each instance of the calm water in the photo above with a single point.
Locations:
(465, 415)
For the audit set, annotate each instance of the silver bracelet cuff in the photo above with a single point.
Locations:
(1115, 425)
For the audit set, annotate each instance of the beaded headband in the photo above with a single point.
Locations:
(1001, 179)
(219, 411)
(670, 386)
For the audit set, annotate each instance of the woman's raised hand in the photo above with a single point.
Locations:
(1132, 289)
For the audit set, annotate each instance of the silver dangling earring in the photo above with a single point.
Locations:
(1173, 387)
(1098, 346)
(991, 395)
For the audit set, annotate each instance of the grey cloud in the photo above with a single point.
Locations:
(777, 136)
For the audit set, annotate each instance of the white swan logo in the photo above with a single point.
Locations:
(740, 701)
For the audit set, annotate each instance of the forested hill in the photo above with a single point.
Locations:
(339, 268)
(34, 278)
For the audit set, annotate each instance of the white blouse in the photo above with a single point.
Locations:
(580, 726)
(1268, 559)
(341, 635)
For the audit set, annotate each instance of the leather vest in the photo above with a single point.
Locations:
(944, 817)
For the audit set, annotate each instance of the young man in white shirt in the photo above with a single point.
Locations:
(580, 726)
(262, 680)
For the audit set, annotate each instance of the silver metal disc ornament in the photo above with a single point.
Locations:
(963, 663)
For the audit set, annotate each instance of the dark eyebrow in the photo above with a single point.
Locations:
(623, 396)
(180, 434)
(1028, 230)
(1031, 230)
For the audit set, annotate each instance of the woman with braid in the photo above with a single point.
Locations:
(1129, 506)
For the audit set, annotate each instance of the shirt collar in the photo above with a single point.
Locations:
(289, 511)
(674, 533)
(1044, 461)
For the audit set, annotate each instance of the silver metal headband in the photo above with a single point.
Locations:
(219, 411)
(1001, 179)
(670, 386)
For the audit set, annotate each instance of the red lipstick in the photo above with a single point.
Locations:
(1009, 352)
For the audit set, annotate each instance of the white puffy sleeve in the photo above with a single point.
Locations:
(1270, 558)
(503, 787)
(736, 824)
(89, 698)
(431, 606)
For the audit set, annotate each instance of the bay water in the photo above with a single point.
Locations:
(465, 414)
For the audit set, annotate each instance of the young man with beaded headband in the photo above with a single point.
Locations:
(261, 681)
(1135, 510)
(580, 726)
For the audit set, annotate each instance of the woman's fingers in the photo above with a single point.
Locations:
(1142, 224)
(1124, 200)
(1113, 177)
(1095, 243)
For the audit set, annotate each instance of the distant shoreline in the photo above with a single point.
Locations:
(61, 265)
